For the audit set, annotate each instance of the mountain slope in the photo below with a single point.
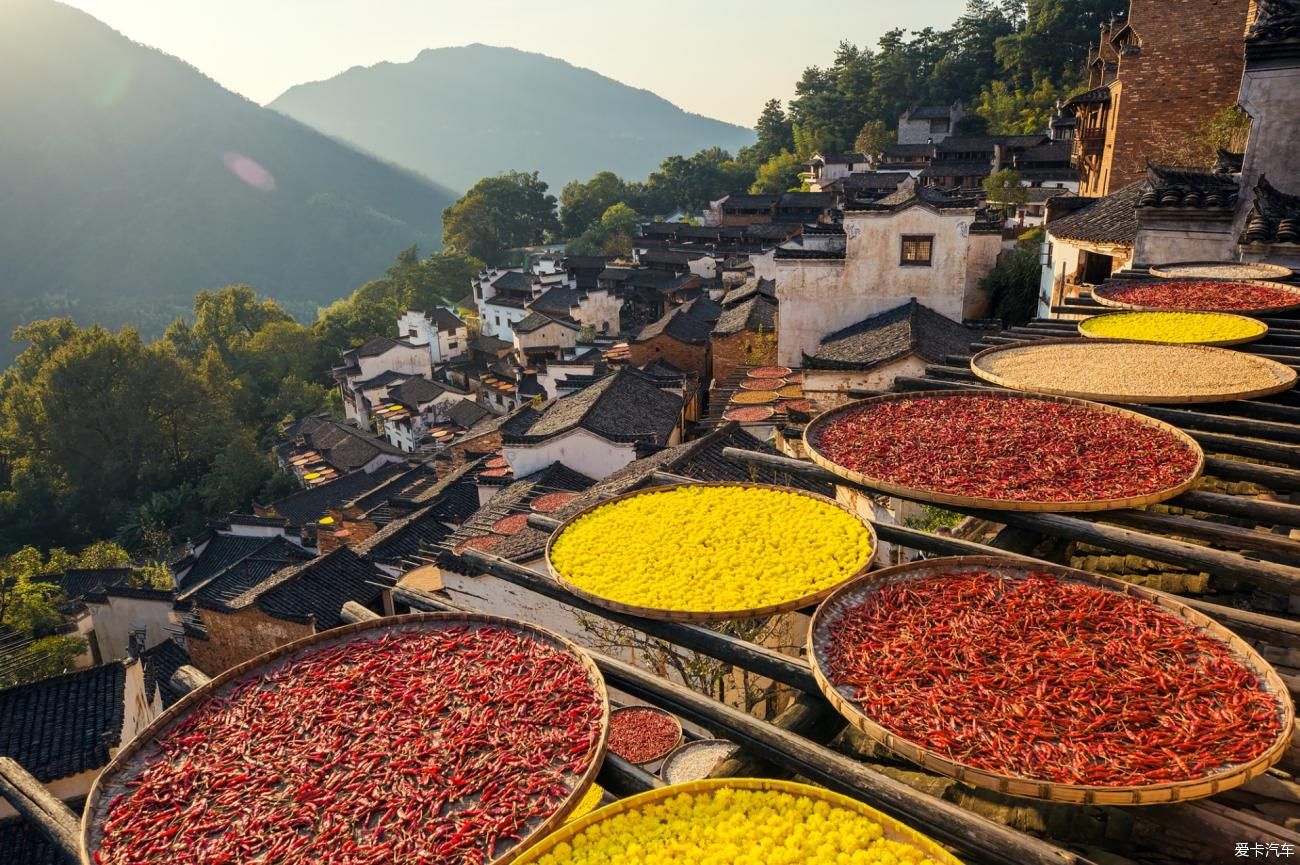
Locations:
(460, 114)
(129, 181)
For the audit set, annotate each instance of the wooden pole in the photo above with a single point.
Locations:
(29, 798)
(352, 612)
(188, 678)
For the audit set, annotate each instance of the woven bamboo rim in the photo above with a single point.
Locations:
(665, 769)
(894, 829)
(941, 498)
(1074, 794)
(657, 711)
(1284, 377)
(1261, 330)
(699, 616)
(130, 760)
(1099, 295)
(1266, 271)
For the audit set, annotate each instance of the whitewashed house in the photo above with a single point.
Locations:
(412, 407)
(374, 366)
(439, 328)
(918, 243)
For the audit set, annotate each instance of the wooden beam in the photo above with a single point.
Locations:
(55, 820)
(1262, 512)
(1232, 537)
(976, 836)
(353, 612)
(622, 778)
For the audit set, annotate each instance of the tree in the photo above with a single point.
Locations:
(1016, 111)
(873, 139)
(774, 130)
(1013, 283)
(691, 183)
(778, 174)
(583, 203)
(611, 236)
(500, 213)
(1006, 189)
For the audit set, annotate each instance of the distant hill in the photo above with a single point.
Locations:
(460, 114)
(129, 181)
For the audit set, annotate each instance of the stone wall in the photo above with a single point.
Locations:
(746, 348)
(693, 359)
(234, 638)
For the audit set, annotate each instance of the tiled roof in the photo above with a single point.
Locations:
(1054, 153)
(221, 552)
(929, 112)
(466, 413)
(957, 168)
(160, 662)
(341, 445)
(840, 158)
(974, 143)
(273, 554)
(383, 379)
(513, 280)
(819, 200)
(23, 843)
(406, 483)
(381, 344)
(911, 192)
(909, 150)
(79, 581)
(908, 329)
(1185, 187)
(557, 301)
(536, 321)
(585, 262)
(309, 505)
(1227, 162)
(1276, 21)
(623, 406)
(444, 319)
(1274, 216)
(490, 344)
(756, 312)
(746, 201)
(1095, 96)
(1111, 220)
(64, 725)
(875, 180)
(317, 589)
(689, 323)
(416, 391)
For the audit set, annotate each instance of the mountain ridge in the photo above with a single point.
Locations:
(587, 121)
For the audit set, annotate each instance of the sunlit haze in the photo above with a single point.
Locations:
(722, 59)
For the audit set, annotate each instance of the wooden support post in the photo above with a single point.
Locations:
(622, 778)
(29, 798)
(808, 716)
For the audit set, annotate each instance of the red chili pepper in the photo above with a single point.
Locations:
(1045, 678)
(1011, 449)
(642, 735)
(1209, 295)
(456, 740)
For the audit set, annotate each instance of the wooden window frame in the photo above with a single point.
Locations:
(915, 238)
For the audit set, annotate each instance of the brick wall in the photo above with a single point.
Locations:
(742, 349)
(234, 638)
(1188, 69)
(688, 358)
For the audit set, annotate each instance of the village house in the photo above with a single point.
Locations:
(540, 335)
(929, 124)
(1154, 79)
(580, 362)
(964, 162)
(745, 333)
(246, 612)
(597, 430)
(865, 187)
(64, 729)
(870, 355)
(319, 449)
(1082, 248)
(124, 618)
(446, 335)
(585, 301)
(680, 337)
(375, 364)
(825, 168)
(502, 295)
(303, 508)
(912, 158)
(412, 407)
(918, 243)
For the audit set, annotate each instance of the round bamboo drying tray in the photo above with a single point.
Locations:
(893, 829)
(681, 734)
(940, 498)
(136, 754)
(1074, 794)
(666, 768)
(1206, 270)
(1099, 294)
(698, 616)
(1273, 376)
(1260, 329)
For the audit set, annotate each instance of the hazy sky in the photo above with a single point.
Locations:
(722, 58)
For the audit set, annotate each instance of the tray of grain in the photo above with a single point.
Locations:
(1228, 270)
(1184, 328)
(1142, 373)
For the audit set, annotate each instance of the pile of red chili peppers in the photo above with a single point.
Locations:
(1012, 449)
(442, 746)
(1210, 295)
(1049, 679)
(642, 735)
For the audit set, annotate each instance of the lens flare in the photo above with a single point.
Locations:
(249, 171)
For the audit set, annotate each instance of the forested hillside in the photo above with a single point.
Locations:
(458, 114)
(129, 181)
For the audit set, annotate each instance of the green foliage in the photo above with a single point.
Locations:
(611, 235)
(584, 203)
(1226, 129)
(1018, 111)
(934, 518)
(874, 138)
(691, 183)
(1013, 283)
(1005, 188)
(498, 214)
(778, 174)
(775, 132)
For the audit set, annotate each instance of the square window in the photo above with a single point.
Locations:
(917, 250)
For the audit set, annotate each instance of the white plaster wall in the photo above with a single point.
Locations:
(244, 531)
(1272, 99)
(548, 334)
(508, 316)
(599, 308)
(705, 268)
(416, 361)
(1164, 244)
(818, 298)
(579, 449)
(832, 386)
(115, 620)
(556, 372)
